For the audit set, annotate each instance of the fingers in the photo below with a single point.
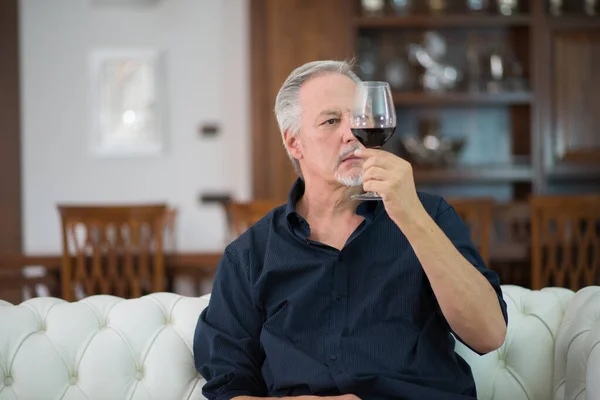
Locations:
(374, 172)
(376, 186)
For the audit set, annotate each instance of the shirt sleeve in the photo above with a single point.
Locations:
(227, 351)
(459, 234)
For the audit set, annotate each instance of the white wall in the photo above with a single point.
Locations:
(207, 70)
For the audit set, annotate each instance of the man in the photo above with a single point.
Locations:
(328, 296)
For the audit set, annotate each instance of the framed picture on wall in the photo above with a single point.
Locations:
(128, 108)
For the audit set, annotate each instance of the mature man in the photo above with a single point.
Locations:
(328, 296)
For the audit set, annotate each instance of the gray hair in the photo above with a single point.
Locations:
(287, 109)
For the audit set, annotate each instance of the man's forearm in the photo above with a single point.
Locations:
(466, 298)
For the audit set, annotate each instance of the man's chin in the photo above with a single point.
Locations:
(350, 181)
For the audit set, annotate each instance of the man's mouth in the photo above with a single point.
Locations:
(351, 158)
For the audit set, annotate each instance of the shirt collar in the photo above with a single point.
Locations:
(366, 209)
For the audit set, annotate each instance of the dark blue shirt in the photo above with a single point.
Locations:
(289, 316)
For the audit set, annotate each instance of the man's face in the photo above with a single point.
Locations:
(325, 144)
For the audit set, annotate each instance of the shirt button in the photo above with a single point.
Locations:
(333, 357)
(338, 297)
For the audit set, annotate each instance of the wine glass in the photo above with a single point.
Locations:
(373, 119)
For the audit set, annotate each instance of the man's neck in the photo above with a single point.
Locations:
(327, 201)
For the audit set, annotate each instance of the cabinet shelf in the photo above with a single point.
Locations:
(574, 172)
(502, 173)
(573, 22)
(443, 21)
(460, 98)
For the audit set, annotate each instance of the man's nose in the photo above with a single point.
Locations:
(347, 135)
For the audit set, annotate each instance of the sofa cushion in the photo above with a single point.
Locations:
(523, 367)
(102, 347)
(577, 360)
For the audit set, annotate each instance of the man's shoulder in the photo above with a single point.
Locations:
(255, 236)
(433, 203)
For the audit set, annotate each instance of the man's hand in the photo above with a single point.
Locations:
(392, 178)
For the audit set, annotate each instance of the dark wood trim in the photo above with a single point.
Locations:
(259, 97)
(18, 261)
(572, 22)
(10, 130)
(542, 115)
(461, 98)
(475, 173)
(443, 21)
(205, 261)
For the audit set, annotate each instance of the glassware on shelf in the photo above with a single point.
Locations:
(556, 7)
(591, 7)
(508, 7)
(437, 75)
(478, 5)
(397, 74)
(367, 64)
(473, 68)
(437, 6)
(373, 7)
(495, 84)
(430, 148)
(401, 7)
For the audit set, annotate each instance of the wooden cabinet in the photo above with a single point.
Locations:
(574, 148)
(10, 142)
(544, 137)
(285, 35)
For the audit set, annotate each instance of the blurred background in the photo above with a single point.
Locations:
(138, 138)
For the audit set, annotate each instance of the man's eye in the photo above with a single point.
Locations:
(331, 121)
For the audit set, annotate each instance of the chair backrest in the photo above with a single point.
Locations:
(242, 215)
(565, 241)
(114, 250)
(477, 214)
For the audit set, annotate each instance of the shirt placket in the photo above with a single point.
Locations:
(339, 318)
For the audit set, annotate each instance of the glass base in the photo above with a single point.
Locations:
(366, 196)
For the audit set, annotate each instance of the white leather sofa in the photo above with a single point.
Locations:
(105, 348)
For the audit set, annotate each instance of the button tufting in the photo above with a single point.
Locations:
(73, 380)
(43, 328)
(8, 380)
(139, 375)
(501, 363)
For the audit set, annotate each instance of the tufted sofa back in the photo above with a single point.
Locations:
(101, 347)
(523, 367)
(104, 347)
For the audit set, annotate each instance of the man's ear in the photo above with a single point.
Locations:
(293, 145)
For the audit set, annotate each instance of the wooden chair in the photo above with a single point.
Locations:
(510, 249)
(242, 215)
(477, 214)
(565, 237)
(114, 250)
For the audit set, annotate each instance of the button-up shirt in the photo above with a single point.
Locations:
(289, 316)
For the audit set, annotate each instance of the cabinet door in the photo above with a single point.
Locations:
(10, 147)
(285, 35)
(576, 100)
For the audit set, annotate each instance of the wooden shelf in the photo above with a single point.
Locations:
(461, 98)
(477, 173)
(574, 172)
(574, 22)
(443, 21)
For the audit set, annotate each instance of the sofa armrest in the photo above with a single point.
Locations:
(522, 367)
(577, 356)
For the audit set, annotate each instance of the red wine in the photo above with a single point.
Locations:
(373, 137)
